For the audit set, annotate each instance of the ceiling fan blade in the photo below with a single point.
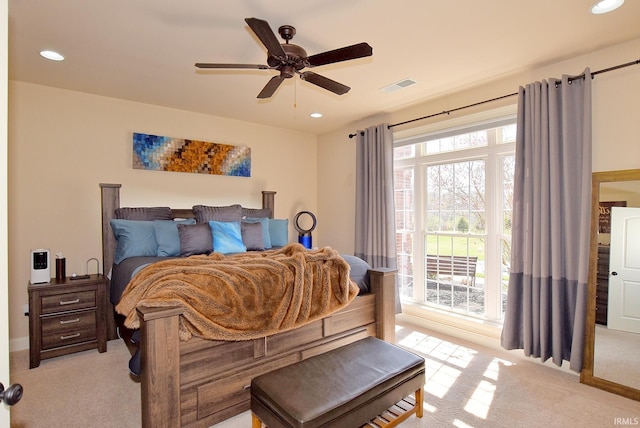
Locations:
(343, 54)
(251, 66)
(264, 32)
(325, 82)
(271, 87)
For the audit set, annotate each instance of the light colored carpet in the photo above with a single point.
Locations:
(80, 390)
(467, 386)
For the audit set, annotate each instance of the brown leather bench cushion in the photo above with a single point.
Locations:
(344, 387)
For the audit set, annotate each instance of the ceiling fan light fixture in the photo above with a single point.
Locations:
(605, 6)
(51, 55)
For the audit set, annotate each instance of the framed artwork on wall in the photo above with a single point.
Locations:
(158, 153)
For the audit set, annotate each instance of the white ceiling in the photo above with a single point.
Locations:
(145, 50)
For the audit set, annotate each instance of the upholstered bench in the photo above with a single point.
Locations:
(345, 387)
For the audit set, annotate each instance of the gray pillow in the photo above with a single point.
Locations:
(205, 214)
(266, 237)
(252, 237)
(359, 272)
(195, 239)
(144, 213)
(256, 212)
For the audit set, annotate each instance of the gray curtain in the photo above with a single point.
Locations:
(375, 240)
(546, 302)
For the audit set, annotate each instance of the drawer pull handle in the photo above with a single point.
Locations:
(71, 336)
(245, 387)
(69, 302)
(63, 322)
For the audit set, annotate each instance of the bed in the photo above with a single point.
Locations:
(199, 382)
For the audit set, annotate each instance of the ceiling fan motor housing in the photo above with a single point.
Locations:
(296, 57)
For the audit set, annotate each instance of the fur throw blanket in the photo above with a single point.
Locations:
(243, 296)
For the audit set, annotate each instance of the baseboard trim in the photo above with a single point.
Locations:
(19, 344)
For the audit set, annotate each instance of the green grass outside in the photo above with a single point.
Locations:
(462, 245)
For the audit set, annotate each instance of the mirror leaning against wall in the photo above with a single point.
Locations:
(612, 341)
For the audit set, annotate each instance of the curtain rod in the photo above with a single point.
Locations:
(595, 73)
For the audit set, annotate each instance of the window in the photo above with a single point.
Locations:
(453, 197)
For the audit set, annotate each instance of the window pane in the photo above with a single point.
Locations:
(405, 226)
(404, 152)
(404, 199)
(455, 199)
(508, 166)
(505, 265)
(404, 244)
(457, 142)
(507, 134)
(454, 272)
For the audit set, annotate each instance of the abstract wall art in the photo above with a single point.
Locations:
(157, 153)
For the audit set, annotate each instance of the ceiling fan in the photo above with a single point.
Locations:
(290, 59)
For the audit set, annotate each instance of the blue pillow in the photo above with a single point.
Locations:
(134, 238)
(227, 237)
(279, 232)
(266, 237)
(167, 236)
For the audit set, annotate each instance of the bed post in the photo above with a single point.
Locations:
(110, 198)
(268, 201)
(160, 364)
(383, 285)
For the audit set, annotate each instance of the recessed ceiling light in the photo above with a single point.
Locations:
(605, 6)
(316, 115)
(53, 56)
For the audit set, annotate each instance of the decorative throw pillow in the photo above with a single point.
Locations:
(143, 213)
(133, 238)
(252, 237)
(264, 221)
(194, 239)
(227, 237)
(168, 237)
(279, 232)
(205, 214)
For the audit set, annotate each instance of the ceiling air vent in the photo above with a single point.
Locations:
(398, 85)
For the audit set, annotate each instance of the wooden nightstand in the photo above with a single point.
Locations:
(67, 316)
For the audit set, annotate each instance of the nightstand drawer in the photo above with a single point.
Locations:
(68, 329)
(65, 323)
(68, 301)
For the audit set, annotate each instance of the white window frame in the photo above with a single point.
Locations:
(491, 155)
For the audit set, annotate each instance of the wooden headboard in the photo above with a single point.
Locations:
(110, 198)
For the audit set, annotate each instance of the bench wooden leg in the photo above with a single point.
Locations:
(419, 402)
(255, 421)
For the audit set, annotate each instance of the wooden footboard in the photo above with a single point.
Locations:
(198, 383)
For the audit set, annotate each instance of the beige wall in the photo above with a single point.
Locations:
(616, 129)
(62, 144)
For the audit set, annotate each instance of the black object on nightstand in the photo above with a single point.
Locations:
(67, 316)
